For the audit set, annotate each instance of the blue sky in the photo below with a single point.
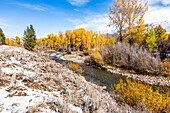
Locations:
(50, 16)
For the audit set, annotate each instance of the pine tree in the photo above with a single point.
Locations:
(29, 38)
(2, 37)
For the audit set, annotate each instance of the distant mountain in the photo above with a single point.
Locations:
(115, 35)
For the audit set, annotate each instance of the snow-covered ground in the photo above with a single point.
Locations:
(32, 83)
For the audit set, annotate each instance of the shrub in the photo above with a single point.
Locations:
(134, 93)
(133, 57)
(46, 55)
(87, 52)
(96, 58)
(165, 68)
(45, 48)
(73, 66)
(163, 47)
(87, 60)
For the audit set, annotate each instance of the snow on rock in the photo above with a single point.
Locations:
(33, 83)
(74, 108)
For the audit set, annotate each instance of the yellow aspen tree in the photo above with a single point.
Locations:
(78, 37)
(135, 9)
(111, 40)
(17, 41)
(83, 40)
(38, 41)
(161, 33)
(117, 15)
(150, 38)
(88, 39)
(139, 32)
(61, 39)
(56, 40)
(7, 41)
(68, 38)
(49, 40)
(97, 41)
(93, 39)
(102, 41)
(73, 39)
(11, 43)
(107, 41)
(45, 41)
(124, 13)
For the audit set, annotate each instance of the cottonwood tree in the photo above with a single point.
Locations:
(124, 14)
(7, 41)
(11, 43)
(2, 37)
(17, 41)
(150, 38)
(161, 33)
(138, 34)
(29, 38)
(135, 9)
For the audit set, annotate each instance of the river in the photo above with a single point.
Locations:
(105, 78)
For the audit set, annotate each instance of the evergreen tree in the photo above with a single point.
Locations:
(2, 37)
(29, 38)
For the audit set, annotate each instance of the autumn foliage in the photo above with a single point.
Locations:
(76, 40)
(138, 94)
(11, 43)
(73, 66)
(7, 41)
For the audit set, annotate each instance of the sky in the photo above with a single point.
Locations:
(52, 16)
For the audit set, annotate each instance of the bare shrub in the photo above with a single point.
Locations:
(133, 57)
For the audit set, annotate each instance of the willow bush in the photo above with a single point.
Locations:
(134, 57)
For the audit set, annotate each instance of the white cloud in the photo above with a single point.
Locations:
(164, 2)
(158, 15)
(155, 15)
(3, 23)
(78, 2)
(32, 6)
(98, 23)
(77, 10)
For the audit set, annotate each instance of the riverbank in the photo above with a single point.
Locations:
(79, 57)
(30, 82)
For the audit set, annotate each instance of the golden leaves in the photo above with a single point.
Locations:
(134, 92)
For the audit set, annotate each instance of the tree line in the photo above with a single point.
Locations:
(29, 39)
(76, 40)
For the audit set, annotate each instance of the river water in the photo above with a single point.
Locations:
(104, 77)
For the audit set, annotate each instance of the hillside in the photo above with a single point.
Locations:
(32, 83)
